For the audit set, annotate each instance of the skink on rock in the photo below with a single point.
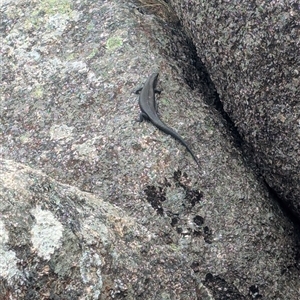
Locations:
(148, 108)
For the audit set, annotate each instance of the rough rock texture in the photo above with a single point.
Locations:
(61, 243)
(252, 53)
(97, 206)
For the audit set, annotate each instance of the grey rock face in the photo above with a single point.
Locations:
(97, 206)
(61, 243)
(252, 53)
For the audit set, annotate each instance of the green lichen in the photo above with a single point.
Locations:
(47, 7)
(71, 56)
(55, 6)
(38, 92)
(90, 26)
(92, 54)
(114, 43)
(25, 138)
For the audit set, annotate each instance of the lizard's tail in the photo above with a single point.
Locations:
(163, 127)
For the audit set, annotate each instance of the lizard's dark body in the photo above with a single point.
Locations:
(148, 108)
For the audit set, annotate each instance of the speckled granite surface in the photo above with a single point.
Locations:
(97, 206)
(252, 53)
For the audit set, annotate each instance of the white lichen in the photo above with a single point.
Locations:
(46, 233)
(8, 259)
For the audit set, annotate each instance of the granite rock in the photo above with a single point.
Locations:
(97, 206)
(252, 54)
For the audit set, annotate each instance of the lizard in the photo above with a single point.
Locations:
(148, 108)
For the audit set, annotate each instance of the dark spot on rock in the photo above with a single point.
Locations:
(254, 292)
(206, 230)
(179, 230)
(167, 239)
(177, 175)
(174, 221)
(209, 277)
(136, 147)
(221, 289)
(155, 196)
(145, 249)
(207, 235)
(193, 196)
(197, 233)
(198, 220)
(195, 266)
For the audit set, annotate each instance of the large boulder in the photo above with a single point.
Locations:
(57, 242)
(252, 53)
(97, 206)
